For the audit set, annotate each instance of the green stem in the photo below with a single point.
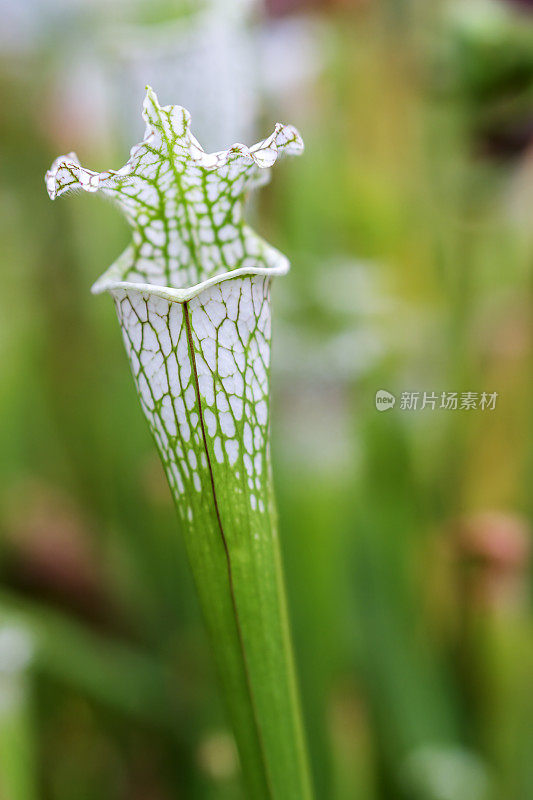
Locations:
(236, 562)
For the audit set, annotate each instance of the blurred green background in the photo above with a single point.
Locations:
(406, 533)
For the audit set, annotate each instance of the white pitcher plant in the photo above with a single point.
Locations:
(192, 293)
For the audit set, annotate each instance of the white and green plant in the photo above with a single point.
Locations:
(192, 294)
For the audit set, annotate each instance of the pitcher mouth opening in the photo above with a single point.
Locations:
(111, 282)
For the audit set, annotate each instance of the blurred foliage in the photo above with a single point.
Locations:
(406, 534)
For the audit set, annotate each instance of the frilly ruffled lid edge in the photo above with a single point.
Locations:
(263, 154)
(66, 174)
